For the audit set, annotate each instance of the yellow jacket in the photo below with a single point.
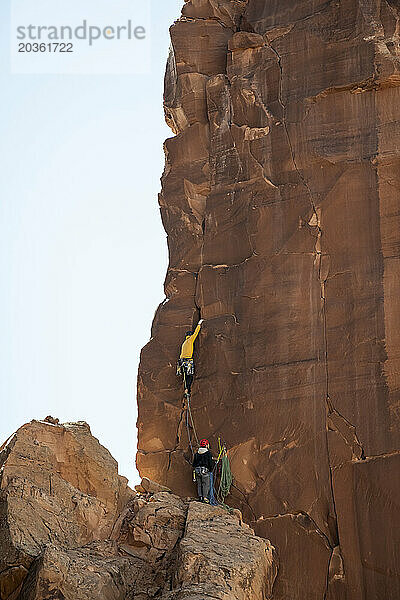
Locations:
(187, 346)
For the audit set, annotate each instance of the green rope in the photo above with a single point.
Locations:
(226, 478)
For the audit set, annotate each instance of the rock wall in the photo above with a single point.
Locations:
(71, 529)
(280, 198)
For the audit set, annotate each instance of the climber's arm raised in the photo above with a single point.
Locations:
(197, 330)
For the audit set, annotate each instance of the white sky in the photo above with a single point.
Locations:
(82, 250)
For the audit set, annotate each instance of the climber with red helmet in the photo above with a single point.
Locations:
(203, 465)
(185, 363)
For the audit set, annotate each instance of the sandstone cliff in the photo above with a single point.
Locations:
(280, 198)
(71, 529)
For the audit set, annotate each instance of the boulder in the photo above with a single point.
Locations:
(151, 487)
(221, 558)
(150, 529)
(93, 572)
(58, 486)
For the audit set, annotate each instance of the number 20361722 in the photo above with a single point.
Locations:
(51, 47)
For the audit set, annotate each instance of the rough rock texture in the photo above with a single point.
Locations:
(280, 198)
(71, 529)
(220, 557)
(201, 551)
(58, 486)
(95, 572)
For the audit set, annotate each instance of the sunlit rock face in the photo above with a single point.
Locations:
(71, 529)
(59, 489)
(280, 198)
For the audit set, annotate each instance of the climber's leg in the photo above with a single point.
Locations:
(199, 485)
(188, 374)
(184, 376)
(206, 485)
(189, 381)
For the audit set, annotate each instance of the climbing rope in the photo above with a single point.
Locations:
(226, 478)
(188, 433)
(226, 473)
(189, 416)
(221, 449)
(189, 410)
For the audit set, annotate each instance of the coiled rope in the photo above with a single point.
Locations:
(226, 473)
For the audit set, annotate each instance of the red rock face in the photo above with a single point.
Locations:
(280, 198)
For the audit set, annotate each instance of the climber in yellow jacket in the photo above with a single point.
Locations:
(185, 362)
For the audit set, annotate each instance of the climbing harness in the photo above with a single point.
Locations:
(201, 470)
(185, 366)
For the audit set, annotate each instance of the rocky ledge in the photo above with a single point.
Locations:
(72, 529)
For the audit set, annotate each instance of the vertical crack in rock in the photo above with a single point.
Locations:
(284, 122)
(346, 430)
(327, 581)
(315, 221)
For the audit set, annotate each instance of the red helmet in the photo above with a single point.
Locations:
(204, 443)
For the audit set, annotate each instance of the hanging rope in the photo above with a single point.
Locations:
(189, 410)
(213, 497)
(226, 473)
(226, 478)
(188, 432)
(220, 449)
(189, 416)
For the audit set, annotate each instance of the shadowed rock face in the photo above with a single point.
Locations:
(280, 198)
